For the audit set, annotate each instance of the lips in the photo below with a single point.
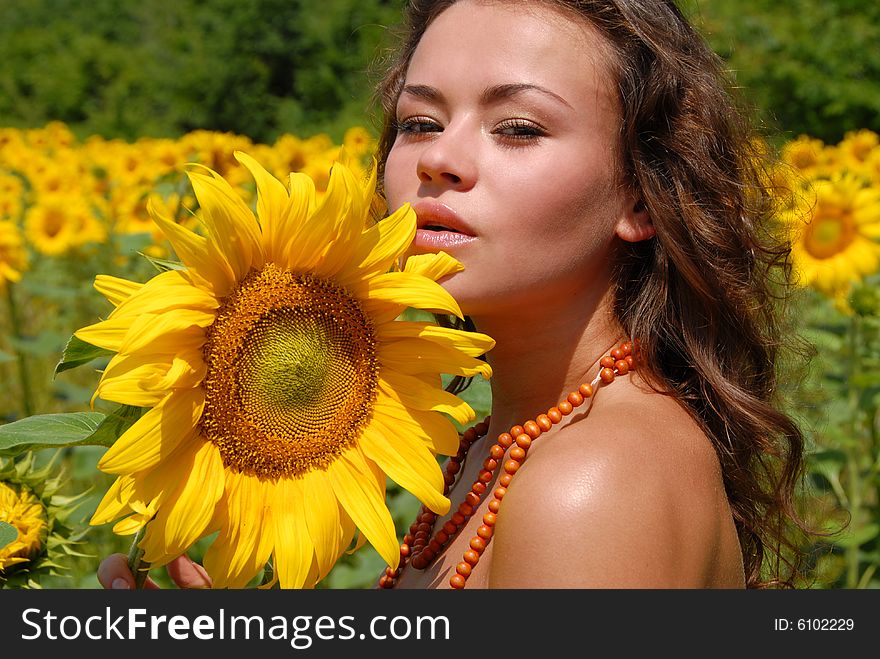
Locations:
(440, 227)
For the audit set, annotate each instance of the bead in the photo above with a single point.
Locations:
(448, 479)
(490, 464)
(424, 527)
(472, 498)
(554, 414)
(631, 362)
(607, 362)
(453, 467)
(441, 537)
(478, 544)
(457, 518)
(464, 569)
(500, 492)
(575, 398)
(523, 442)
(518, 454)
(450, 527)
(384, 581)
(505, 479)
(478, 488)
(606, 375)
(495, 506)
(485, 532)
(511, 467)
(618, 354)
(516, 430)
(586, 390)
(489, 519)
(497, 451)
(532, 429)
(622, 367)
(466, 509)
(564, 408)
(435, 545)
(485, 476)
(505, 439)
(407, 539)
(404, 550)
(544, 422)
(471, 557)
(427, 517)
(419, 562)
(457, 581)
(469, 436)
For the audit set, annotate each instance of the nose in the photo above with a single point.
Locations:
(448, 161)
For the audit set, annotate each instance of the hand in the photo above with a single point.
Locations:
(113, 573)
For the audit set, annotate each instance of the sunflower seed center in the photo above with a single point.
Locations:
(292, 374)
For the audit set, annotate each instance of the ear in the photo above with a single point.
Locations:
(635, 225)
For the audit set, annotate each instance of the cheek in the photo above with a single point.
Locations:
(397, 177)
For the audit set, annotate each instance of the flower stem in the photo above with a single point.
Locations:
(24, 377)
(854, 481)
(139, 567)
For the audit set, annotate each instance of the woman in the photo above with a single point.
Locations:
(585, 164)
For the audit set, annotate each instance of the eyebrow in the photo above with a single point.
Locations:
(489, 96)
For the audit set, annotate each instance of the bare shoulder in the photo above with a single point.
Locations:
(631, 495)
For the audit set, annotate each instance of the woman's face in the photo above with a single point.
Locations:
(507, 143)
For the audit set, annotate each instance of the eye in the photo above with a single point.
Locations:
(519, 130)
(418, 125)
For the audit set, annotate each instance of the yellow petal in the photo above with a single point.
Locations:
(355, 486)
(107, 334)
(230, 224)
(195, 251)
(244, 543)
(323, 521)
(408, 289)
(167, 291)
(115, 289)
(124, 377)
(115, 501)
(156, 434)
(473, 344)
(184, 514)
(167, 333)
(413, 392)
(432, 266)
(418, 356)
(294, 549)
(272, 202)
(379, 247)
(407, 462)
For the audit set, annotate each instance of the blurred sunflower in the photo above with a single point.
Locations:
(13, 257)
(834, 233)
(283, 389)
(30, 503)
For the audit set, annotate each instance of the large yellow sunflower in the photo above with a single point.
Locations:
(835, 232)
(282, 389)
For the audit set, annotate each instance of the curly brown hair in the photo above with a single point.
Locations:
(704, 295)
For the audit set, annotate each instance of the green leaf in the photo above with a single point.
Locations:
(856, 538)
(163, 265)
(49, 431)
(115, 423)
(8, 534)
(77, 352)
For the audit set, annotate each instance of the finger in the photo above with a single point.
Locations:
(114, 573)
(188, 574)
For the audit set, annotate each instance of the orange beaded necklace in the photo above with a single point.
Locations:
(419, 551)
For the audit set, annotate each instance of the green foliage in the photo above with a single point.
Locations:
(154, 68)
(812, 67)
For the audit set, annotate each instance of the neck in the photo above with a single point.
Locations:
(539, 358)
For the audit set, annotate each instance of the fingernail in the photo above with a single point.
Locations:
(120, 584)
